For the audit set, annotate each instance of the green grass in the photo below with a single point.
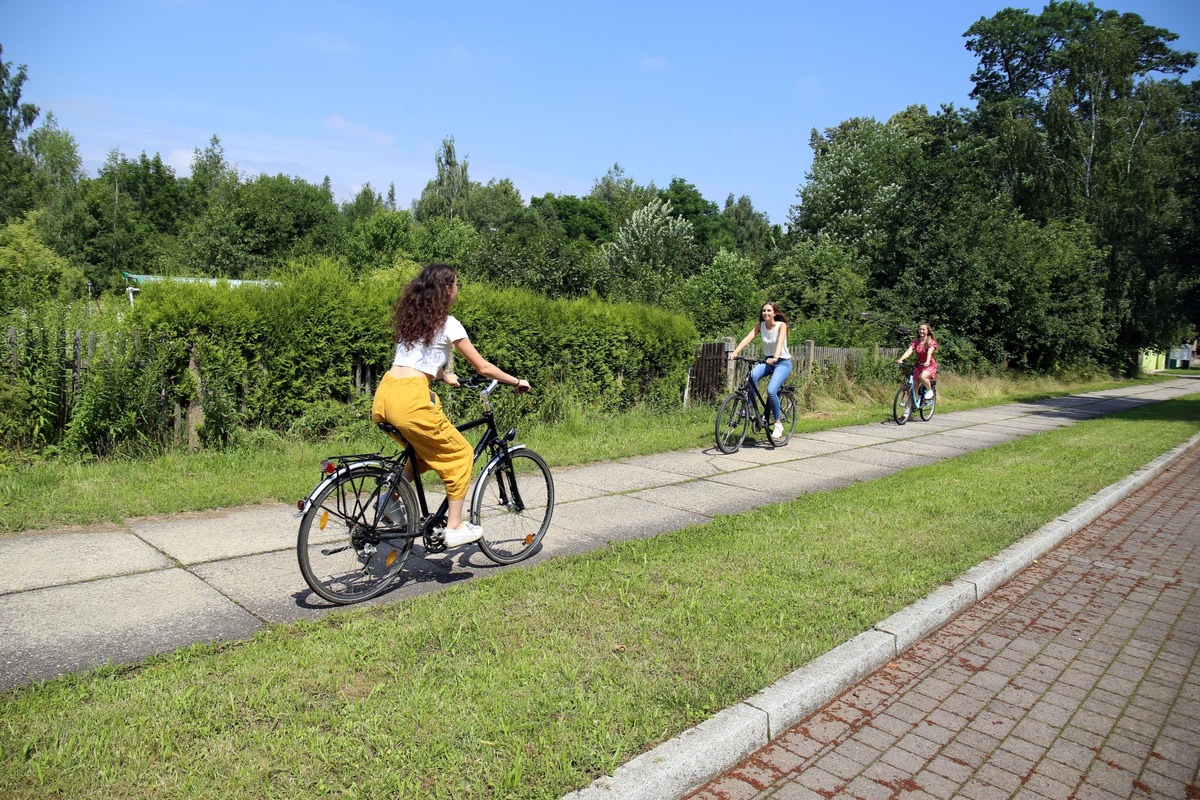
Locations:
(52, 493)
(535, 681)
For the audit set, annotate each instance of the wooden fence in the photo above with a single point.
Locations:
(710, 376)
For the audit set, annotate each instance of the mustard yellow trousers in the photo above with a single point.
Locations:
(417, 412)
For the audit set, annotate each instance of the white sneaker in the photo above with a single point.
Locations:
(777, 432)
(457, 537)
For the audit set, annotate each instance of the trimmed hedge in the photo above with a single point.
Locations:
(264, 356)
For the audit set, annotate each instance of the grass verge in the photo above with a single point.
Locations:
(534, 682)
(60, 492)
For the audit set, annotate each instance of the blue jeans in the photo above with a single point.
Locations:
(779, 372)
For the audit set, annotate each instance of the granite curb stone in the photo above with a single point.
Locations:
(680, 764)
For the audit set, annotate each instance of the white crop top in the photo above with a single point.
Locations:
(431, 358)
(769, 338)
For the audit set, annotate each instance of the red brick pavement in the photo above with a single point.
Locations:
(1079, 678)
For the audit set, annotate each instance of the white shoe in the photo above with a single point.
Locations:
(457, 537)
(777, 432)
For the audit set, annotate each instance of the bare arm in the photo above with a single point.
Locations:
(486, 368)
(747, 340)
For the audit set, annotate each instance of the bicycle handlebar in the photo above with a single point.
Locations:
(475, 380)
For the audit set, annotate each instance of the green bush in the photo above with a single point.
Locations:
(319, 420)
(127, 404)
(285, 357)
(607, 356)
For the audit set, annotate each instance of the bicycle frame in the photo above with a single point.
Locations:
(490, 440)
(758, 402)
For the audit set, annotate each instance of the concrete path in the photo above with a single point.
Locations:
(71, 600)
(1080, 677)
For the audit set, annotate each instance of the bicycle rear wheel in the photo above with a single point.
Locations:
(927, 406)
(733, 417)
(348, 549)
(902, 405)
(513, 502)
(787, 415)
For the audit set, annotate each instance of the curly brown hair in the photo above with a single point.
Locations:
(422, 308)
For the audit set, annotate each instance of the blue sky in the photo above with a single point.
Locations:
(548, 94)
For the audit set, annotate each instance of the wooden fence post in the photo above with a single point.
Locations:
(76, 367)
(810, 354)
(195, 411)
(730, 370)
(12, 348)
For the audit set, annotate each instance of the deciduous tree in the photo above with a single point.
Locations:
(17, 186)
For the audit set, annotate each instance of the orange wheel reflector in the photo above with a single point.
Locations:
(324, 520)
(391, 559)
(528, 538)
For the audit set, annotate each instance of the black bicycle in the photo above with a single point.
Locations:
(358, 525)
(747, 407)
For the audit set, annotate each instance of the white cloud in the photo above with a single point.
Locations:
(332, 45)
(359, 132)
(180, 160)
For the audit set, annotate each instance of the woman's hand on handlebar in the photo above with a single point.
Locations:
(522, 386)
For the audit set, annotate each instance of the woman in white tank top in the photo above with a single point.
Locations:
(773, 330)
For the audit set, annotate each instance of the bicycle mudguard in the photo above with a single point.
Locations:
(340, 470)
(491, 467)
(488, 467)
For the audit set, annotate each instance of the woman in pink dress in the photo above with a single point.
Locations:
(925, 370)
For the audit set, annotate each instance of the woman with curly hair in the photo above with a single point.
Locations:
(426, 336)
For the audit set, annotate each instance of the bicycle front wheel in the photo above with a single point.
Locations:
(927, 406)
(732, 421)
(902, 405)
(513, 503)
(351, 545)
(787, 415)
